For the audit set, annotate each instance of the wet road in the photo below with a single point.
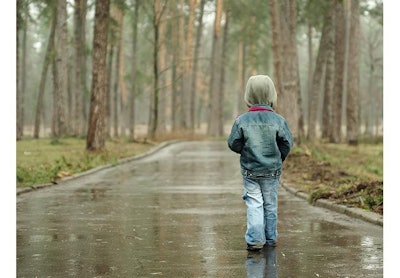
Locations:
(179, 213)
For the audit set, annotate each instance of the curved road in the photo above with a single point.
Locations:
(179, 213)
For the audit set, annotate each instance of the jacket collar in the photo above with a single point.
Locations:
(261, 108)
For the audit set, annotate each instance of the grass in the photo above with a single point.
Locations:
(43, 160)
(364, 160)
(351, 175)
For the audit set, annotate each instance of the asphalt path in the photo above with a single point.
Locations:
(179, 213)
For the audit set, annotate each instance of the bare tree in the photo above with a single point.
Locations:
(96, 129)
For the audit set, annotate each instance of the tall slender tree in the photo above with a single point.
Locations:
(195, 67)
(80, 66)
(96, 130)
(214, 123)
(22, 26)
(290, 82)
(353, 75)
(132, 110)
(187, 73)
(336, 135)
(276, 43)
(60, 127)
(317, 83)
(158, 9)
(43, 77)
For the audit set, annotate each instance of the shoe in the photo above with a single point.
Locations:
(254, 248)
(270, 244)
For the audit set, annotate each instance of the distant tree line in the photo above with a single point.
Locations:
(99, 69)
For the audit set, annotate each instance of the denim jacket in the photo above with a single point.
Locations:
(263, 139)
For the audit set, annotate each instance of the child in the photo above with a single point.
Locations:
(263, 139)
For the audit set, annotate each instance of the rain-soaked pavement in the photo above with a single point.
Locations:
(179, 213)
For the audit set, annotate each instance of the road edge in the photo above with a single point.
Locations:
(358, 213)
(97, 169)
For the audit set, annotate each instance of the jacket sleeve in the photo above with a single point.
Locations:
(284, 140)
(235, 139)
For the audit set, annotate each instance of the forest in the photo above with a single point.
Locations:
(135, 68)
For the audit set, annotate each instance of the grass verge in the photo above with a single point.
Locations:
(350, 175)
(43, 160)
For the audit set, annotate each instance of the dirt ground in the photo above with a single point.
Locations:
(322, 179)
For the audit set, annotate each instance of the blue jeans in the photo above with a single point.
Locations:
(261, 198)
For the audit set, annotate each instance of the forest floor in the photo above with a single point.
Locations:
(348, 175)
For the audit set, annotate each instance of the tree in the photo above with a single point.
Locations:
(276, 43)
(97, 120)
(187, 73)
(329, 77)
(290, 82)
(59, 127)
(46, 64)
(214, 120)
(158, 9)
(195, 67)
(80, 7)
(317, 83)
(133, 71)
(336, 135)
(353, 75)
(22, 25)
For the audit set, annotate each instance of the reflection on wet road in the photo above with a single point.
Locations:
(179, 213)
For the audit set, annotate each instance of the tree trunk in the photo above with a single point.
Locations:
(323, 52)
(187, 78)
(290, 94)
(310, 68)
(42, 84)
(276, 44)
(61, 63)
(239, 107)
(353, 75)
(115, 94)
(195, 68)
(174, 72)
(213, 120)
(21, 72)
(181, 121)
(133, 73)
(110, 70)
(336, 134)
(329, 76)
(157, 12)
(220, 99)
(96, 134)
(80, 59)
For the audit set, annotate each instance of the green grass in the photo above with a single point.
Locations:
(364, 160)
(43, 160)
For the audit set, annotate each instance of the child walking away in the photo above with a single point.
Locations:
(263, 139)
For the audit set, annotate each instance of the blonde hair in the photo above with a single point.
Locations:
(260, 89)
